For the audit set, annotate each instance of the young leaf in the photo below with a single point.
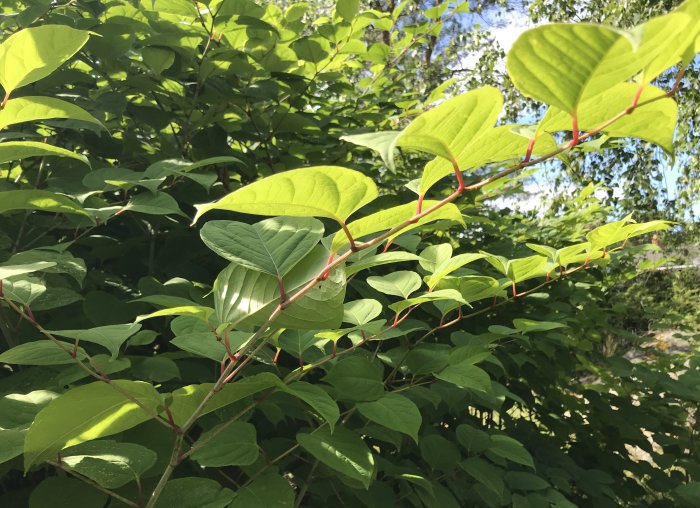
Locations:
(433, 296)
(382, 142)
(380, 259)
(272, 246)
(360, 312)
(33, 53)
(395, 412)
(471, 287)
(85, 413)
(450, 265)
(401, 283)
(322, 191)
(18, 150)
(343, 451)
(111, 336)
(31, 109)
(236, 444)
(38, 200)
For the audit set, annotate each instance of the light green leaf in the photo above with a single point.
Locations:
(382, 142)
(85, 413)
(561, 64)
(186, 399)
(663, 41)
(194, 492)
(235, 444)
(18, 150)
(401, 283)
(654, 122)
(471, 287)
(465, 375)
(356, 378)
(12, 270)
(38, 200)
(322, 191)
(159, 203)
(435, 255)
(529, 325)
(23, 289)
(380, 259)
(109, 463)
(343, 451)
(272, 246)
(198, 311)
(41, 352)
(394, 412)
(31, 109)
(269, 490)
(33, 53)
(392, 217)
(518, 270)
(360, 312)
(433, 296)
(448, 266)
(317, 398)
(347, 9)
(111, 336)
(608, 234)
(201, 344)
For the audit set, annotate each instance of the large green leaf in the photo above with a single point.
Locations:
(654, 122)
(194, 492)
(269, 490)
(384, 258)
(33, 53)
(110, 336)
(663, 41)
(392, 217)
(41, 352)
(383, 142)
(561, 64)
(343, 451)
(471, 287)
(30, 109)
(465, 375)
(12, 270)
(272, 246)
(85, 413)
(317, 398)
(433, 296)
(321, 191)
(401, 283)
(394, 412)
(357, 379)
(38, 200)
(450, 265)
(18, 150)
(109, 463)
(234, 445)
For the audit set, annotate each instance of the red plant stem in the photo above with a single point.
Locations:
(4, 101)
(353, 246)
(458, 174)
(574, 129)
(530, 147)
(635, 100)
(419, 206)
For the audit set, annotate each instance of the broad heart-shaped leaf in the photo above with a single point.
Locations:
(109, 463)
(269, 490)
(444, 129)
(186, 399)
(272, 246)
(321, 191)
(41, 352)
(654, 122)
(401, 283)
(434, 296)
(383, 142)
(30, 109)
(360, 312)
(85, 413)
(343, 451)
(12, 270)
(234, 445)
(509, 448)
(498, 144)
(201, 344)
(356, 378)
(38, 200)
(317, 398)
(394, 412)
(194, 492)
(608, 234)
(450, 265)
(663, 41)
(383, 258)
(110, 336)
(485, 473)
(561, 64)
(471, 287)
(465, 375)
(530, 267)
(33, 53)
(18, 150)
(392, 217)
(434, 255)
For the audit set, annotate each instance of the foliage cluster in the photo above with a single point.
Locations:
(399, 344)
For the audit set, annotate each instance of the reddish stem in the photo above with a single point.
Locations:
(419, 207)
(515, 291)
(74, 353)
(635, 100)
(4, 101)
(574, 129)
(530, 147)
(386, 248)
(458, 174)
(353, 246)
(277, 356)
(283, 294)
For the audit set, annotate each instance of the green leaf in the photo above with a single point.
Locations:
(343, 450)
(11, 444)
(194, 493)
(486, 474)
(159, 203)
(382, 142)
(347, 9)
(663, 41)
(608, 234)
(392, 217)
(433, 296)
(522, 269)
(529, 325)
(12, 270)
(30, 109)
(269, 490)
(109, 463)
(401, 283)
(448, 266)
(85, 413)
(471, 287)
(317, 398)
(64, 492)
(272, 246)
(41, 352)
(384, 258)
(201, 344)
(33, 53)
(562, 64)
(356, 378)
(465, 375)
(18, 150)
(234, 444)
(322, 191)
(434, 255)
(394, 412)
(654, 122)
(510, 449)
(111, 336)
(198, 311)
(186, 399)
(520, 480)
(361, 312)
(38, 200)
